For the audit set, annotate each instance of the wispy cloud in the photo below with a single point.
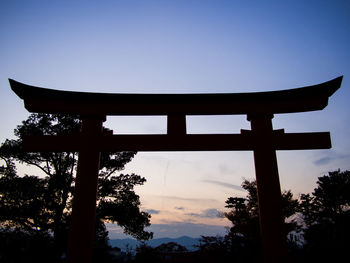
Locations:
(208, 213)
(153, 211)
(330, 158)
(323, 161)
(188, 199)
(225, 169)
(227, 185)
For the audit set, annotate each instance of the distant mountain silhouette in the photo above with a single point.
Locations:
(188, 242)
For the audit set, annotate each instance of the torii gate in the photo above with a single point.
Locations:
(261, 139)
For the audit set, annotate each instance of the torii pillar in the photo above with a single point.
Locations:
(82, 225)
(272, 230)
(259, 107)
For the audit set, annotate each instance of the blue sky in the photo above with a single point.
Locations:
(186, 47)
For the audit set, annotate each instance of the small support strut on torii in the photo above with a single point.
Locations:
(259, 107)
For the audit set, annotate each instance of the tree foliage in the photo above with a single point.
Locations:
(326, 214)
(244, 213)
(166, 252)
(318, 223)
(43, 202)
(329, 200)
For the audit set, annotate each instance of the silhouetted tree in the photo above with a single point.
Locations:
(17, 245)
(43, 202)
(214, 249)
(170, 247)
(326, 214)
(325, 224)
(146, 253)
(244, 235)
(166, 252)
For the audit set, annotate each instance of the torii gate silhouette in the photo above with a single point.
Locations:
(259, 107)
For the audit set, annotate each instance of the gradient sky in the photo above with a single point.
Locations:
(186, 47)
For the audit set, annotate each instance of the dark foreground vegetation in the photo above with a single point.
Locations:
(35, 211)
(317, 227)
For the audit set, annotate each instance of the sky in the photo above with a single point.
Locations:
(186, 47)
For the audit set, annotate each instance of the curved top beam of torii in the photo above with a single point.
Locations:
(303, 99)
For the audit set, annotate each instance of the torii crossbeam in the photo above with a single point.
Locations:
(261, 139)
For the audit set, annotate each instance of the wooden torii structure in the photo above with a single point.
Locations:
(262, 139)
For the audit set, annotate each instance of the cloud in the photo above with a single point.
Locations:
(208, 213)
(227, 185)
(196, 200)
(323, 161)
(225, 169)
(179, 208)
(153, 211)
(330, 158)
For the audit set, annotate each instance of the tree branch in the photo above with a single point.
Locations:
(37, 165)
(112, 172)
(48, 167)
(107, 176)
